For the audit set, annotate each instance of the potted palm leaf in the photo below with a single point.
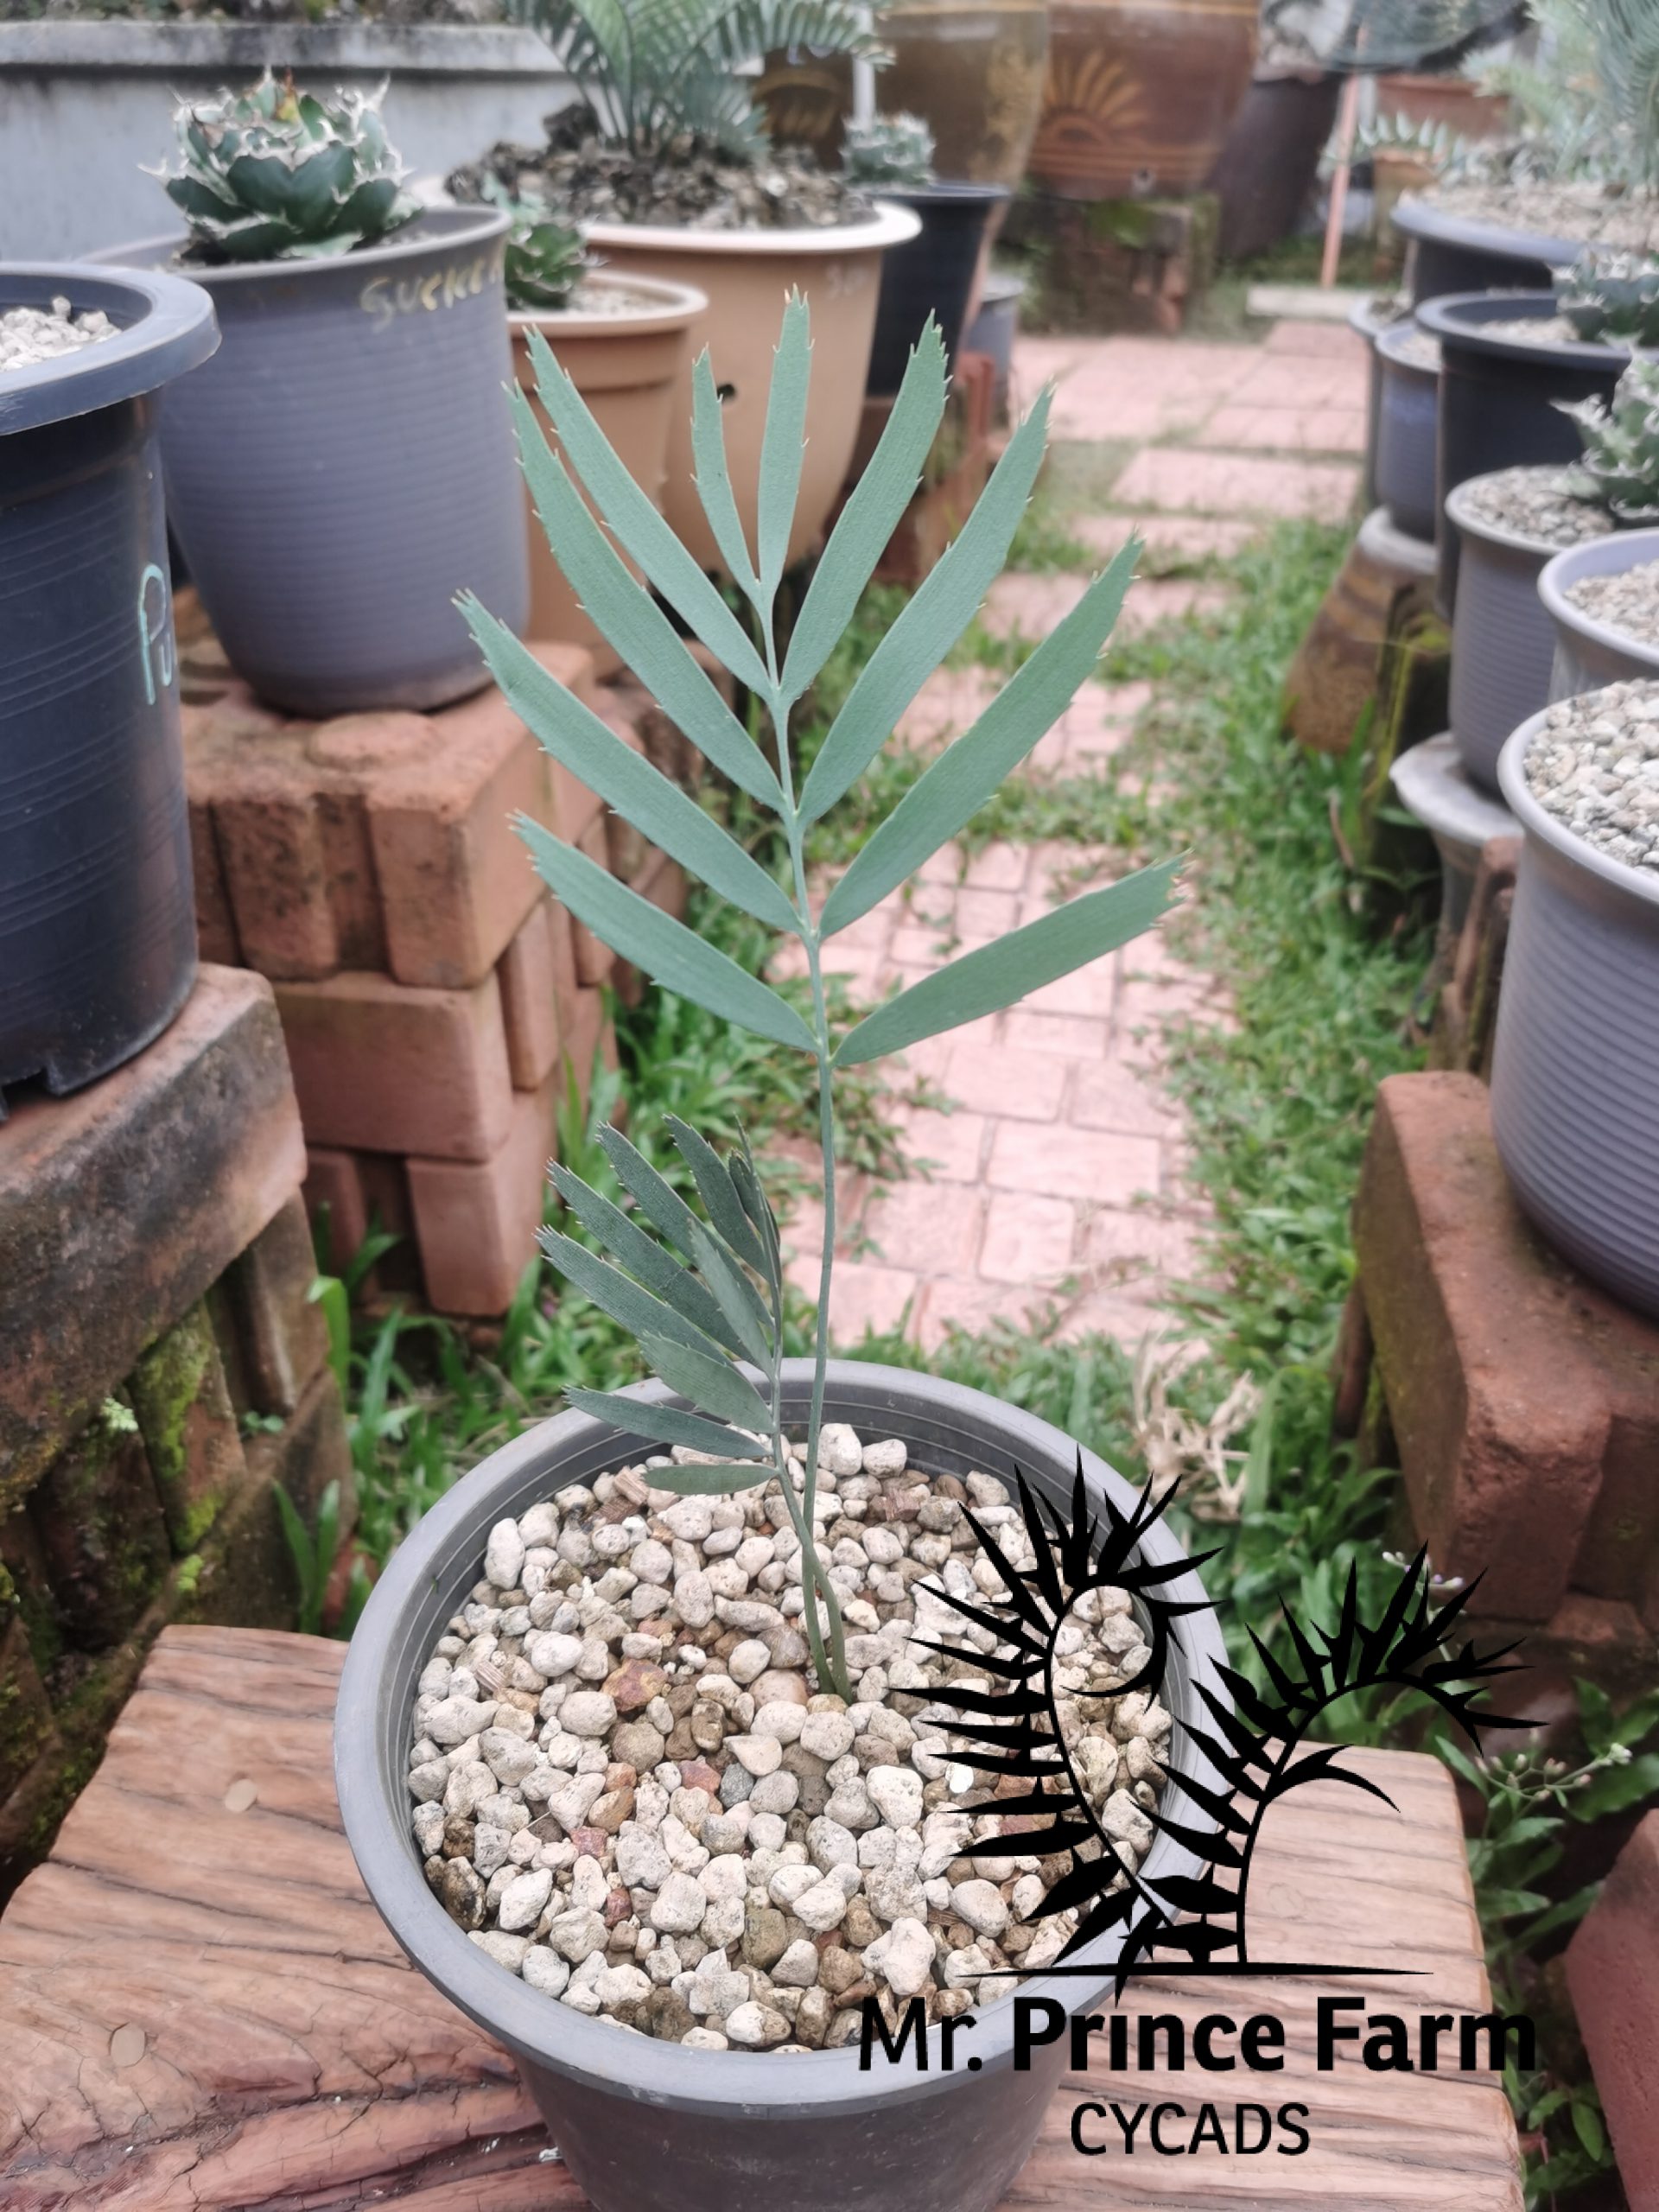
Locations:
(667, 165)
(684, 1757)
(344, 464)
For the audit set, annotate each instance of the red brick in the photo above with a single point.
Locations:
(585, 1034)
(336, 1202)
(280, 1329)
(99, 1523)
(120, 1206)
(529, 1001)
(475, 1222)
(392, 1067)
(215, 924)
(189, 1426)
(1525, 1403)
(1613, 1971)
(310, 1451)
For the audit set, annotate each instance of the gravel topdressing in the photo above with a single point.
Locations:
(627, 1790)
(1536, 330)
(1586, 212)
(31, 335)
(1626, 600)
(1418, 349)
(1595, 766)
(1537, 502)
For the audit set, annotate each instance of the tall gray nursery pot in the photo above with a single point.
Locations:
(346, 465)
(652, 2126)
(1500, 642)
(1408, 408)
(1575, 1072)
(1587, 653)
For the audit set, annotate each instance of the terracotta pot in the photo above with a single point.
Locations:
(1458, 102)
(631, 369)
(1140, 93)
(745, 276)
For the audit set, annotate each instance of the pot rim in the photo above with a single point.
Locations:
(553, 2035)
(1641, 544)
(891, 224)
(1419, 219)
(1537, 822)
(1497, 533)
(432, 228)
(675, 307)
(947, 192)
(1391, 342)
(1441, 317)
(1367, 319)
(175, 330)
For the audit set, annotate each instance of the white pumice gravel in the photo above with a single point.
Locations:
(1628, 600)
(1537, 502)
(31, 335)
(1595, 766)
(649, 1812)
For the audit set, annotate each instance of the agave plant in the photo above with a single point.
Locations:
(275, 174)
(887, 149)
(704, 1297)
(1612, 299)
(545, 261)
(1620, 464)
(658, 72)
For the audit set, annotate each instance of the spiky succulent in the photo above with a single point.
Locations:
(545, 260)
(1612, 299)
(277, 174)
(888, 149)
(1620, 467)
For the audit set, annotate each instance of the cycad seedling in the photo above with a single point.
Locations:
(704, 1298)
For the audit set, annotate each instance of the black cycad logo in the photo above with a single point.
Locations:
(1256, 1747)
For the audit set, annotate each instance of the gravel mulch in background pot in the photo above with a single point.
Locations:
(1603, 600)
(656, 2124)
(346, 465)
(98, 934)
(1509, 525)
(1576, 1075)
(1477, 238)
(1499, 395)
(1409, 369)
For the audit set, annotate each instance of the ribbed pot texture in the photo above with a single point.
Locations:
(1587, 653)
(1575, 1072)
(1364, 319)
(1407, 409)
(1498, 398)
(1501, 646)
(652, 2126)
(98, 929)
(346, 465)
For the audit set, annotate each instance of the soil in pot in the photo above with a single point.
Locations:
(628, 1790)
(1594, 765)
(29, 335)
(1627, 600)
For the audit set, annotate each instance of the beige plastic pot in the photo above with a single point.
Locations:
(632, 367)
(746, 275)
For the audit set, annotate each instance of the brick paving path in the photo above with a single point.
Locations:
(1057, 1178)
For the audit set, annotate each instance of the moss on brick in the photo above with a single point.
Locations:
(184, 1410)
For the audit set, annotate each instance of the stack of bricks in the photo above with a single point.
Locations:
(1465, 1016)
(162, 1368)
(432, 994)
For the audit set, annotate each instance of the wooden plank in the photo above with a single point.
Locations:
(292, 2062)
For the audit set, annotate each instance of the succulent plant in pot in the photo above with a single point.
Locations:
(737, 1463)
(667, 165)
(366, 338)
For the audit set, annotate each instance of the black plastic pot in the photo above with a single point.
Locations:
(1264, 172)
(930, 274)
(1498, 399)
(1449, 253)
(98, 932)
(652, 2126)
(1407, 403)
(347, 466)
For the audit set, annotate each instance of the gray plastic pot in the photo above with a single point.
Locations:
(1450, 253)
(1499, 396)
(346, 465)
(1369, 319)
(1575, 1070)
(1407, 409)
(1587, 653)
(1502, 644)
(652, 2126)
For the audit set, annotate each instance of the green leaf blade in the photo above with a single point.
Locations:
(969, 772)
(872, 514)
(783, 443)
(713, 1385)
(665, 1424)
(666, 948)
(718, 1477)
(641, 1312)
(717, 1191)
(713, 479)
(1000, 975)
(661, 811)
(642, 1256)
(934, 619)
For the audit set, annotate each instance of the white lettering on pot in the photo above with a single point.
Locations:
(156, 630)
(383, 299)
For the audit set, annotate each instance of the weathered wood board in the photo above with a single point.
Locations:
(202, 2011)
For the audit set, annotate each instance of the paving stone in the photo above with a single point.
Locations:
(1181, 478)
(1168, 537)
(1122, 1246)
(1107, 1095)
(1285, 429)
(1027, 1239)
(1612, 1972)
(912, 1227)
(1317, 340)
(1020, 604)
(1086, 1163)
(951, 1144)
(120, 1206)
(864, 1295)
(1027, 1086)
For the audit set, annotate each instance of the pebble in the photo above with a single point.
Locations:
(1537, 502)
(30, 335)
(1594, 765)
(628, 1788)
(1628, 600)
